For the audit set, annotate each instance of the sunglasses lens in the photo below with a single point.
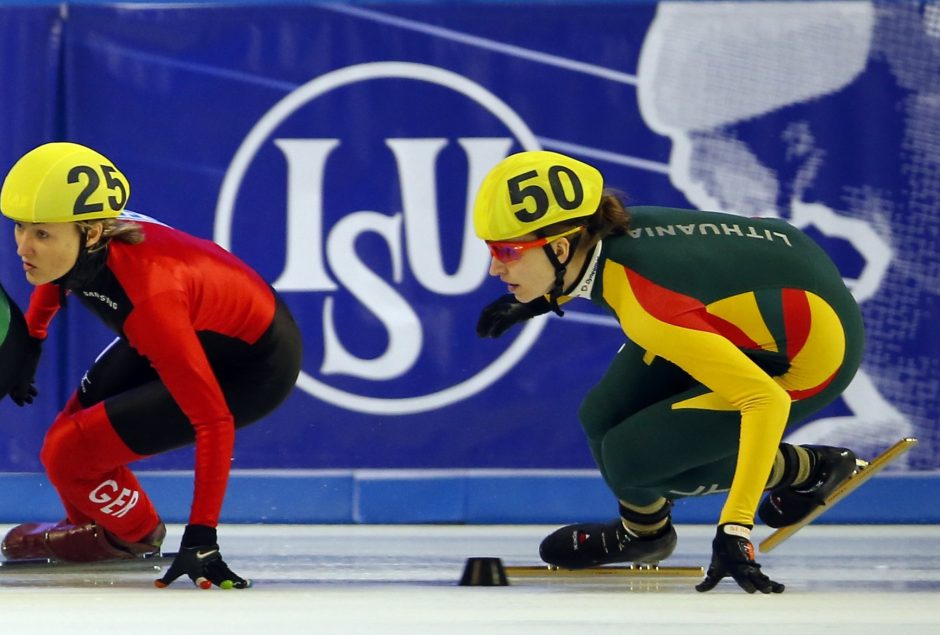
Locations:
(505, 253)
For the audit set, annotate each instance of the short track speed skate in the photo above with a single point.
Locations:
(851, 482)
(789, 504)
(64, 543)
(592, 545)
(149, 563)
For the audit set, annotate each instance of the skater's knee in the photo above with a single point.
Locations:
(596, 415)
(63, 448)
(621, 478)
(624, 470)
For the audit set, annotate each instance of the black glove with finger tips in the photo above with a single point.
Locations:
(200, 559)
(497, 317)
(24, 390)
(733, 554)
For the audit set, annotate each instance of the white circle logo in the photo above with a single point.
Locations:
(307, 157)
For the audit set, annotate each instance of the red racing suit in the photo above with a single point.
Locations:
(165, 297)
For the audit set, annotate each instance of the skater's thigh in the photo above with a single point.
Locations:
(661, 440)
(117, 369)
(148, 419)
(632, 383)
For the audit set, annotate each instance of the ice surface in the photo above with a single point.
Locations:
(403, 580)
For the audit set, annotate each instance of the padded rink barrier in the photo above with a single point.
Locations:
(458, 497)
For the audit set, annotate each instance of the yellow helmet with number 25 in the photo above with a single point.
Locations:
(63, 182)
(530, 190)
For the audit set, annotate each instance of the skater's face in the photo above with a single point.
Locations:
(50, 250)
(527, 272)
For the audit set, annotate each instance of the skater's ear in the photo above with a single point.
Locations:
(93, 233)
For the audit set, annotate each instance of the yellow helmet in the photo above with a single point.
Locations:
(63, 182)
(530, 190)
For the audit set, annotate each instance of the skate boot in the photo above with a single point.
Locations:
(790, 504)
(66, 542)
(591, 545)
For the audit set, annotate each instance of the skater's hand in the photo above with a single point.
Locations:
(733, 554)
(200, 559)
(24, 390)
(498, 316)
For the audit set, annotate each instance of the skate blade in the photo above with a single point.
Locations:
(149, 563)
(632, 571)
(865, 472)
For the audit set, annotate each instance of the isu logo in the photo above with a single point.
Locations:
(366, 196)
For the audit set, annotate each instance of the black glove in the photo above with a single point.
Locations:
(24, 390)
(733, 554)
(498, 316)
(199, 558)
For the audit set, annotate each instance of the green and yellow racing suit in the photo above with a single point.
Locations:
(736, 327)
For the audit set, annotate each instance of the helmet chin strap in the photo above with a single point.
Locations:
(86, 267)
(560, 269)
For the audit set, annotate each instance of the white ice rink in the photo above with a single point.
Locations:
(403, 580)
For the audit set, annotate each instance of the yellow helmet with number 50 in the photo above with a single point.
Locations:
(63, 182)
(530, 190)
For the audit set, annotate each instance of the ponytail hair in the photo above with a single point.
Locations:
(113, 229)
(611, 218)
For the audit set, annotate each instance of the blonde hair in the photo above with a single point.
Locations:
(112, 229)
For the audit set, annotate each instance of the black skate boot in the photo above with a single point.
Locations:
(593, 545)
(789, 504)
(66, 542)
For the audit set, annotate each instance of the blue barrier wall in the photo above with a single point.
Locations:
(336, 149)
(434, 496)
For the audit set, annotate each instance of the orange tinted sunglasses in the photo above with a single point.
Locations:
(507, 251)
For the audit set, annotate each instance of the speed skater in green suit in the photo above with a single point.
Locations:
(17, 363)
(735, 327)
